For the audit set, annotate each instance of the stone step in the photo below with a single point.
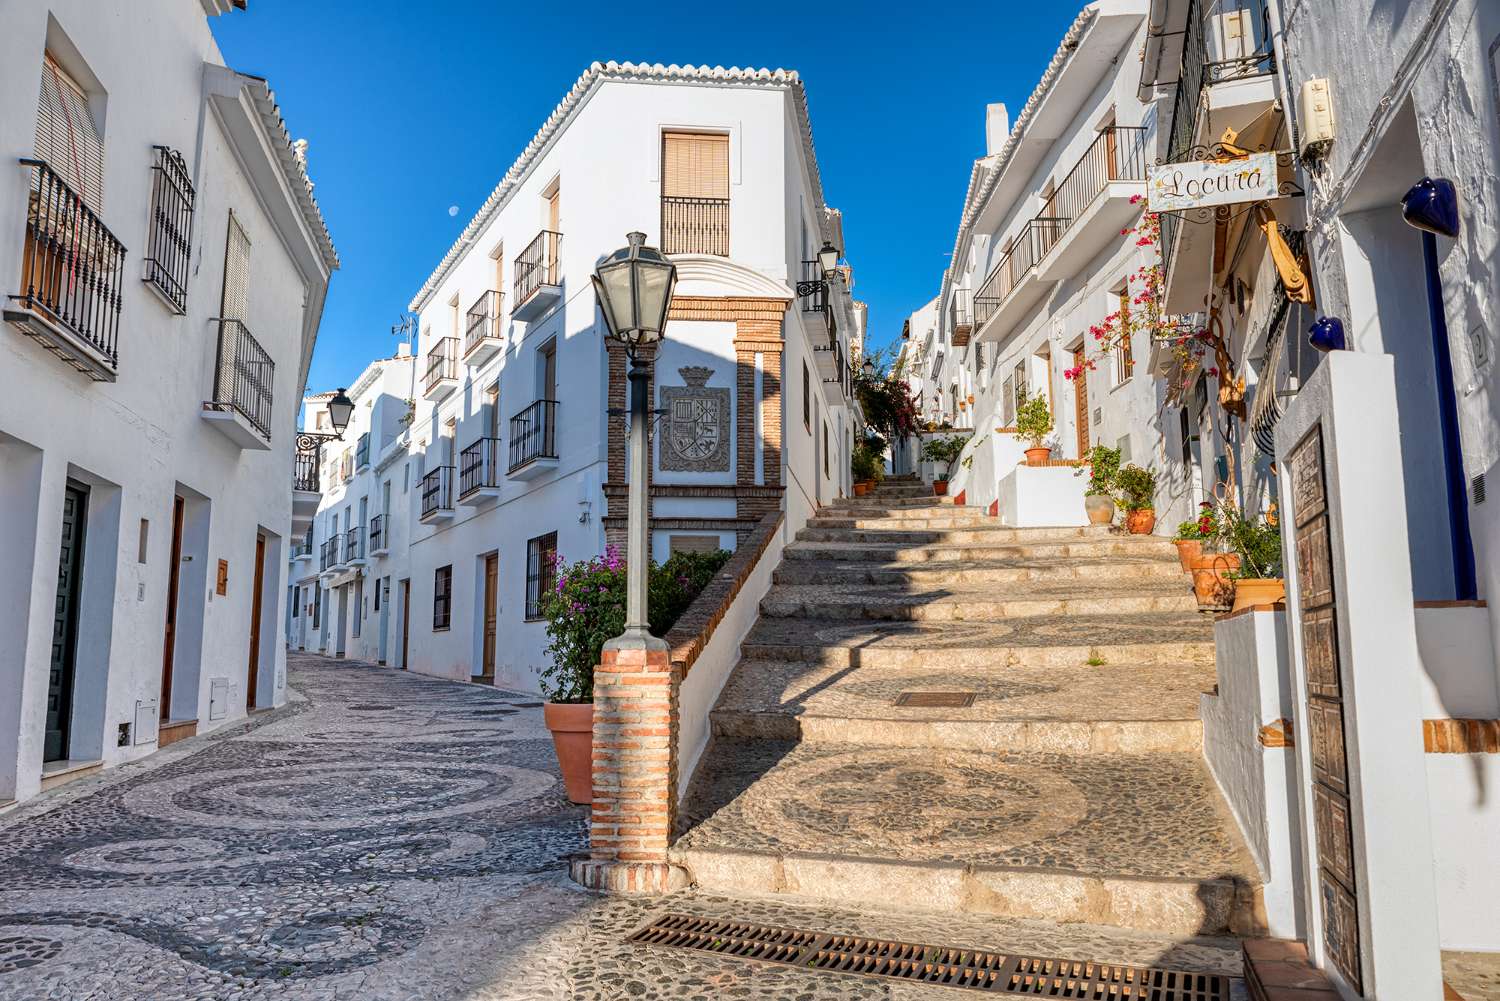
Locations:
(887, 552)
(1038, 641)
(936, 575)
(871, 502)
(904, 519)
(1134, 841)
(1104, 709)
(1096, 597)
(992, 533)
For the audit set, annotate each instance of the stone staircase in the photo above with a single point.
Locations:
(937, 712)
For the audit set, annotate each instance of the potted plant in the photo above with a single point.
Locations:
(1137, 489)
(1099, 496)
(945, 450)
(1258, 580)
(1192, 534)
(865, 465)
(1034, 424)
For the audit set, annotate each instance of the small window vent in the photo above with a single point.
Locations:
(1478, 488)
(1098, 414)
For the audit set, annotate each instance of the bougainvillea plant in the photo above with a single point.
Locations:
(886, 399)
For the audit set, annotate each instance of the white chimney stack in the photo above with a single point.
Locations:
(996, 128)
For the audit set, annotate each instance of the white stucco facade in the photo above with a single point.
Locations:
(142, 403)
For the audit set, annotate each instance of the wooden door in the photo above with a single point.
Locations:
(405, 620)
(169, 640)
(549, 372)
(252, 676)
(64, 664)
(491, 603)
(1081, 396)
(1111, 152)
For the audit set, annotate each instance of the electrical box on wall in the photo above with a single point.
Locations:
(1315, 118)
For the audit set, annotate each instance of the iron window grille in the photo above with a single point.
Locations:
(541, 572)
(537, 265)
(694, 225)
(305, 471)
(328, 554)
(377, 532)
(244, 376)
(71, 264)
(352, 540)
(442, 597)
(483, 320)
(533, 434)
(437, 491)
(478, 466)
(169, 233)
(442, 362)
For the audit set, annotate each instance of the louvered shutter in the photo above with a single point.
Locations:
(67, 138)
(236, 272)
(695, 166)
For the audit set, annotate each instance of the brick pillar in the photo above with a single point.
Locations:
(744, 422)
(635, 780)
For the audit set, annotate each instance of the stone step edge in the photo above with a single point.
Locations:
(1180, 906)
(1069, 736)
(987, 656)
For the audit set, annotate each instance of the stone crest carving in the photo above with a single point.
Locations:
(698, 424)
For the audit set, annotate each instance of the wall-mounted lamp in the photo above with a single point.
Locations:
(1327, 334)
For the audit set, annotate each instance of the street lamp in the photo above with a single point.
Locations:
(828, 265)
(340, 409)
(869, 369)
(634, 286)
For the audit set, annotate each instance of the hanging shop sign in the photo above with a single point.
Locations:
(1174, 187)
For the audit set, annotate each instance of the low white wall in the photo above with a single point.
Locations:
(1042, 496)
(700, 690)
(1258, 782)
(1458, 678)
(1464, 793)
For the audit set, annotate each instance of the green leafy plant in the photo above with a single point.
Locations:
(1258, 544)
(945, 450)
(866, 460)
(1033, 419)
(885, 397)
(1203, 528)
(1137, 488)
(586, 608)
(1103, 469)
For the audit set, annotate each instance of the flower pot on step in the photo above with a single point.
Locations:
(572, 726)
(940, 488)
(1038, 456)
(1211, 584)
(1100, 509)
(1188, 550)
(860, 489)
(1252, 591)
(1140, 522)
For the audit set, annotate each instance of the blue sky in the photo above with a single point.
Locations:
(413, 108)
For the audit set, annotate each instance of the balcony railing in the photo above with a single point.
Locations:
(168, 249)
(71, 264)
(328, 554)
(537, 265)
(533, 434)
(362, 451)
(442, 362)
(377, 533)
(478, 466)
(305, 472)
(437, 491)
(483, 320)
(694, 225)
(1018, 261)
(961, 316)
(1213, 53)
(1118, 154)
(243, 376)
(354, 544)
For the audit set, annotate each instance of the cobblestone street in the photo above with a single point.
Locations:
(387, 836)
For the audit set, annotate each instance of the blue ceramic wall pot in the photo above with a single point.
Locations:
(1327, 334)
(1432, 205)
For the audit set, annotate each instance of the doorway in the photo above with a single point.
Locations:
(341, 625)
(383, 598)
(169, 638)
(1081, 400)
(405, 612)
(491, 608)
(61, 674)
(252, 675)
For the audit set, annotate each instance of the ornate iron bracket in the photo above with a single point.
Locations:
(1286, 162)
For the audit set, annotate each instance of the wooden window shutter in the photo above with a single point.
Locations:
(67, 137)
(236, 272)
(695, 166)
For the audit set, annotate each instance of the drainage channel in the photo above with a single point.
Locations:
(972, 969)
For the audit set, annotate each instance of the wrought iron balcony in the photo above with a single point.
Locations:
(305, 472)
(71, 270)
(694, 225)
(168, 247)
(378, 542)
(362, 452)
(538, 276)
(961, 316)
(442, 368)
(482, 335)
(1216, 49)
(243, 378)
(533, 439)
(1015, 269)
(479, 470)
(328, 554)
(354, 549)
(1095, 201)
(437, 494)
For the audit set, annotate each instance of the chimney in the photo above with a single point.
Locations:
(996, 128)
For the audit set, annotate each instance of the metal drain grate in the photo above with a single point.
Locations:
(974, 969)
(936, 700)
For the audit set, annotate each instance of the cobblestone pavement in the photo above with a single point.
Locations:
(387, 836)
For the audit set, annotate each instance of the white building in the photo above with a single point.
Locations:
(513, 457)
(348, 573)
(166, 268)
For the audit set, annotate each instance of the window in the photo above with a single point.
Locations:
(296, 602)
(695, 194)
(442, 597)
(67, 136)
(1124, 359)
(693, 543)
(359, 604)
(1008, 401)
(170, 227)
(825, 450)
(541, 572)
(806, 398)
(317, 603)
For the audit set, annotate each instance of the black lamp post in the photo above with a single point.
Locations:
(869, 369)
(828, 265)
(340, 409)
(634, 286)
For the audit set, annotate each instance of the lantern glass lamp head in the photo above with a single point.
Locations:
(828, 261)
(634, 286)
(869, 369)
(340, 409)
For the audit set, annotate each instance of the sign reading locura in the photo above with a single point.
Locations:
(1173, 187)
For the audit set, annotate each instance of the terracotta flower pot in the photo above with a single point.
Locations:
(572, 726)
(1211, 584)
(1252, 591)
(940, 488)
(1140, 522)
(1038, 456)
(860, 489)
(1188, 550)
(1100, 509)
